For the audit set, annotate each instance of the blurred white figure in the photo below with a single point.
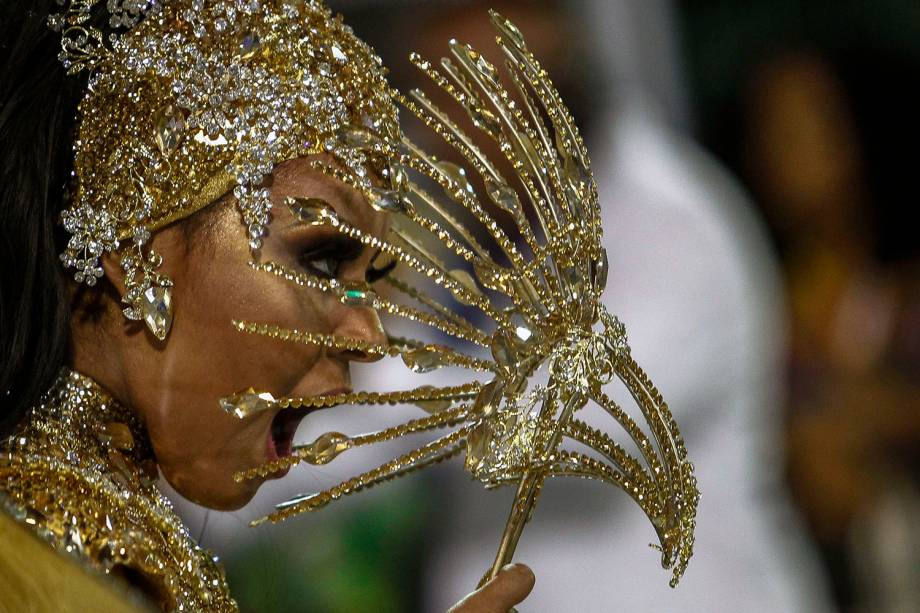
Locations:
(697, 287)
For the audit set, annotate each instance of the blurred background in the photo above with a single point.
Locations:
(758, 169)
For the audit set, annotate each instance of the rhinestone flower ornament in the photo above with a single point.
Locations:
(188, 100)
(501, 271)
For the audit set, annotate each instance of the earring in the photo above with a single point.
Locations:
(148, 293)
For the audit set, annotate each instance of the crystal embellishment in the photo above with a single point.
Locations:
(312, 211)
(156, 307)
(357, 293)
(422, 360)
(247, 403)
(325, 448)
(169, 127)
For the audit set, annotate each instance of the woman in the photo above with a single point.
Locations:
(191, 116)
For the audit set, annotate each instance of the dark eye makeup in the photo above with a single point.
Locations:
(325, 257)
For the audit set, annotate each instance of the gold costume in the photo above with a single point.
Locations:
(501, 254)
(80, 472)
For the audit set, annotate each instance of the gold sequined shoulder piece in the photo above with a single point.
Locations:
(80, 472)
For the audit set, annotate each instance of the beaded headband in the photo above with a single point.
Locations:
(189, 99)
(508, 265)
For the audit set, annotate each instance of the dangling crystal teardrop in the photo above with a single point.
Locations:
(156, 306)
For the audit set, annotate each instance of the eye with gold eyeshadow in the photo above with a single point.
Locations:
(324, 257)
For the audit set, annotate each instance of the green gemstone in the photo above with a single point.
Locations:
(358, 295)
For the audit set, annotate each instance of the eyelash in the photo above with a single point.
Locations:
(329, 266)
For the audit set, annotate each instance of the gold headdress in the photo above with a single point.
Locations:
(513, 271)
(189, 99)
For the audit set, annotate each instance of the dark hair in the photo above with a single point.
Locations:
(38, 105)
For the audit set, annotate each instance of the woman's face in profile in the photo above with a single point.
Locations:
(176, 385)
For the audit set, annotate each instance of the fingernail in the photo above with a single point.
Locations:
(509, 567)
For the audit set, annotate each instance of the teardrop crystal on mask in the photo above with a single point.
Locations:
(476, 60)
(250, 402)
(486, 69)
(312, 211)
(465, 279)
(527, 292)
(431, 405)
(569, 275)
(325, 448)
(156, 307)
(456, 174)
(526, 149)
(399, 178)
(504, 196)
(422, 359)
(599, 269)
(488, 398)
(504, 350)
(577, 174)
(386, 200)
(574, 282)
(478, 448)
(116, 434)
(169, 126)
(357, 137)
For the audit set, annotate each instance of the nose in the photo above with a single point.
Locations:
(363, 324)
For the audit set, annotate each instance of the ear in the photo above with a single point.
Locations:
(146, 294)
(111, 264)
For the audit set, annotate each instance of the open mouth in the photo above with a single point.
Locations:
(284, 426)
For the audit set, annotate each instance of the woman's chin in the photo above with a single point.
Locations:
(220, 494)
